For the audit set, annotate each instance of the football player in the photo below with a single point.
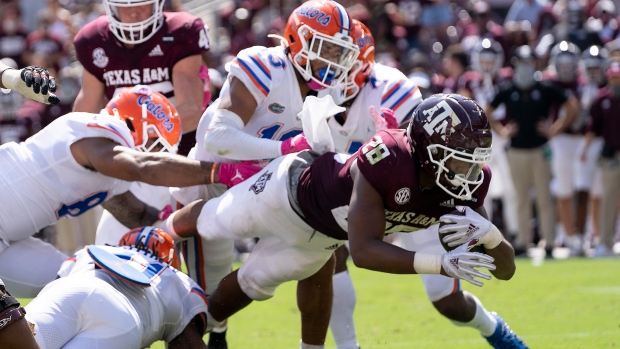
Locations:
(94, 304)
(572, 178)
(376, 97)
(255, 118)
(302, 207)
(35, 83)
(137, 43)
(82, 160)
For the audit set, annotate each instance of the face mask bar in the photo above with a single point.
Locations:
(471, 174)
(318, 48)
(138, 32)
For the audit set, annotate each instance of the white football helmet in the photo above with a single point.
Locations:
(138, 32)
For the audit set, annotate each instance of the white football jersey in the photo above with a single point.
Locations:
(270, 77)
(40, 180)
(164, 309)
(387, 88)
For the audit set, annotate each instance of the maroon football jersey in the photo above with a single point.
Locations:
(149, 63)
(386, 161)
(605, 121)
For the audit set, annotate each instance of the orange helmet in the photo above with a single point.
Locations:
(321, 31)
(149, 116)
(153, 241)
(362, 67)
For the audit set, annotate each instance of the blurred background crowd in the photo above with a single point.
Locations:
(437, 43)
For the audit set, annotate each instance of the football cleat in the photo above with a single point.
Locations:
(504, 337)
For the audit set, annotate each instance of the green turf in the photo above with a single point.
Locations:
(565, 304)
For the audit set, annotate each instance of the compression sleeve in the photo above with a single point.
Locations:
(225, 138)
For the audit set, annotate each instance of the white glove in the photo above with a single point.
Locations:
(461, 229)
(461, 264)
(33, 82)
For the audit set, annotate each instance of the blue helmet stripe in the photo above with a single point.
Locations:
(344, 18)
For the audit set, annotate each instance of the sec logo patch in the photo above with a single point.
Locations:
(402, 196)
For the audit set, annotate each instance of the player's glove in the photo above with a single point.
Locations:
(295, 144)
(165, 212)
(33, 82)
(461, 264)
(233, 174)
(456, 230)
(383, 121)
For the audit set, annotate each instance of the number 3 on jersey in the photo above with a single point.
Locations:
(375, 150)
(77, 208)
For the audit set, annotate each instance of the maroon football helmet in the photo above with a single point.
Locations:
(452, 139)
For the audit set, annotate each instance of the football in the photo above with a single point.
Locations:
(479, 249)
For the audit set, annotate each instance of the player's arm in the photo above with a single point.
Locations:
(91, 97)
(366, 222)
(130, 211)
(32, 82)
(188, 91)
(225, 137)
(190, 338)
(504, 254)
(162, 169)
(571, 109)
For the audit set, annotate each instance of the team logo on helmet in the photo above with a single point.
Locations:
(99, 58)
(402, 196)
(312, 12)
(157, 110)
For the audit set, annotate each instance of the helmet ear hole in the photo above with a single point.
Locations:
(130, 125)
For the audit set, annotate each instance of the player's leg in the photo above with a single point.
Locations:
(610, 179)
(26, 266)
(544, 202)
(563, 162)
(341, 322)
(314, 300)
(519, 160)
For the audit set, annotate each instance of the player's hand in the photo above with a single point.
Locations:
(460, 264)
(233, 174)
(459, 229)
(165, 212)
(295, 144)
(383, 121)
(33, 82)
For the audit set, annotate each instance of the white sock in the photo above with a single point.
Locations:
(303, 345)
(212, 323)
(341, 322)
(483, 321)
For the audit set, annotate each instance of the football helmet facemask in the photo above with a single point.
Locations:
(152, 119)
(487, 57)
(564, 58)
(593, 63)
(138, 32)
(452, 139)
(320, 31)
(362, 67)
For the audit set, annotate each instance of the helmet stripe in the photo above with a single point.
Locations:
(149, 233)
(344, 18)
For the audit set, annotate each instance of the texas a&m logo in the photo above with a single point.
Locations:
(259, 186)
(437, 118)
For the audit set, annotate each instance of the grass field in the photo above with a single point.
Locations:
(565, 304)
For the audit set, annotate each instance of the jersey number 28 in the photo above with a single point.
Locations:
(375, 150)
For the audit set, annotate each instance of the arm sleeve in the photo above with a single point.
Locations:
(225, 138)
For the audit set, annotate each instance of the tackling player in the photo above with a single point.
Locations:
(82, 160)
(303, 207)
(94, 304)
(256, 118)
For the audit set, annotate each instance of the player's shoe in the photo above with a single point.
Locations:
(504, 337)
